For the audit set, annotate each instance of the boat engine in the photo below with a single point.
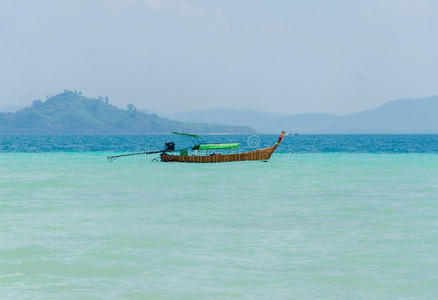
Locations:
(169, 147)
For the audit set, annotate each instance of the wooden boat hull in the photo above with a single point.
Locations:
(259, 154)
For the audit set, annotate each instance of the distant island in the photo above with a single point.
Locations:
(399, 116)
(70, 113)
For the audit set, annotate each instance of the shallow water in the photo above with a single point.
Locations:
(328, 225)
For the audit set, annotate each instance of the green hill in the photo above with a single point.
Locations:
(70, 113)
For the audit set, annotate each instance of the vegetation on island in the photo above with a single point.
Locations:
(71, 113)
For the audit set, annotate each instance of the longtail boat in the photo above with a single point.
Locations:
(200, 153)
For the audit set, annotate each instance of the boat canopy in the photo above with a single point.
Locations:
(186, 134)
(216, 146)
(207, 146)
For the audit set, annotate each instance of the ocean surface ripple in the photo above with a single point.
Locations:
(301, 226)
(299, 144)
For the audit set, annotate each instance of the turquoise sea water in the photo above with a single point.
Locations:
(304, 225)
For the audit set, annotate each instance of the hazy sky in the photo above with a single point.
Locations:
(169, 55)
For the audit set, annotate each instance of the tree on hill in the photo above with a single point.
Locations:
(130, 107)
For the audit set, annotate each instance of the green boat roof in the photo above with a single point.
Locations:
(187, 134)
(217, 146)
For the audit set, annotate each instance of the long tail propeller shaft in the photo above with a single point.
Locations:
(111, 158)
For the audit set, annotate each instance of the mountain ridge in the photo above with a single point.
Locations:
(70, 113)
(396, 116)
